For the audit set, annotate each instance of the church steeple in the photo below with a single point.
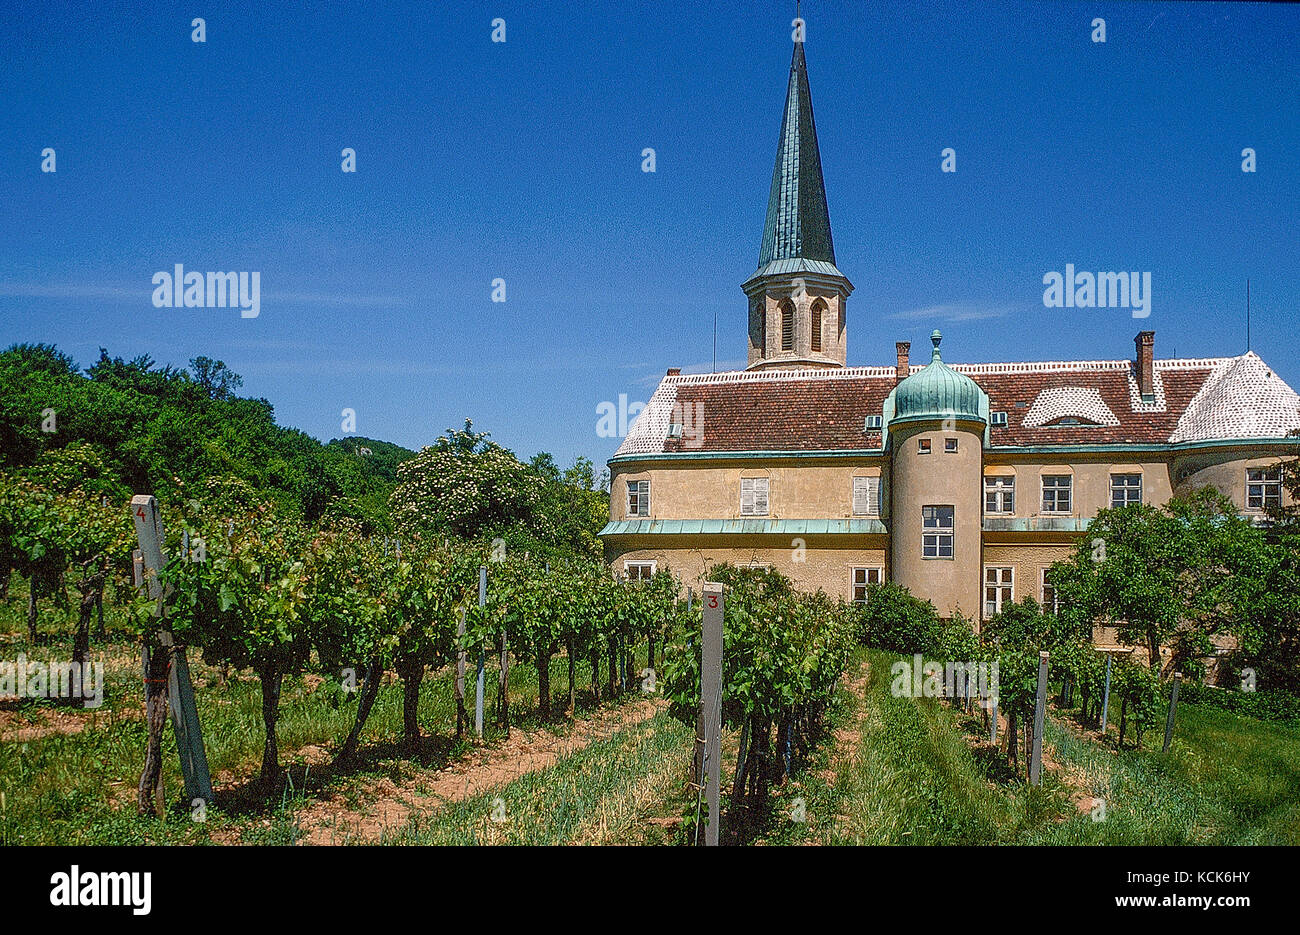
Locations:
(798, 222)
(797, 294)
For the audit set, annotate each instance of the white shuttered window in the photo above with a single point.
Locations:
(866, 496)
(753, 496)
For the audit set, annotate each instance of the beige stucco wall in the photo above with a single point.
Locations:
(938, 477)
(1027, 562)
(821, 488)
(1091, 484)
(1223, 468)
(711, 490)
(823, 563)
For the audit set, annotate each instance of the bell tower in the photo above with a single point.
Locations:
(797, 295)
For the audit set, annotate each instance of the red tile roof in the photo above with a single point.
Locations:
(818, 410)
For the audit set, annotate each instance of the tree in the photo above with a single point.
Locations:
(426, 587)
(1265, 616)
(893, 618)
(1162, 575)
(161, 430)
(463, 485)
(215, 379)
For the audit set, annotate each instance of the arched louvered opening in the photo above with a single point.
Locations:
(787, 326)
(818, 309)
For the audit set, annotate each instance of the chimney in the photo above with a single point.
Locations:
(674, 371)
(900, 371)
(1145, 342)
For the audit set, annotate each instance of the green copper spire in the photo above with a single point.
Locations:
(798, 223)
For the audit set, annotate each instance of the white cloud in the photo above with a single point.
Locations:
(145, 292)
(955, 312)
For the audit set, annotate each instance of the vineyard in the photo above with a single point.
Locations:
(338, 678)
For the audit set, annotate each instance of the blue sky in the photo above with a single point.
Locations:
(522, 160)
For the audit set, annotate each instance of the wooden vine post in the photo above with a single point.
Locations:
(461, 717)
(503, 689)
(710, 738)
(482, 656)
(1105, 696)
(167, 673)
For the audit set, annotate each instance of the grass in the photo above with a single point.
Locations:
(594, 796)
(1226, 780)
(914, 777)
(908, 776)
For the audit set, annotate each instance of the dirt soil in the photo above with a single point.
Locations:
(18, 726)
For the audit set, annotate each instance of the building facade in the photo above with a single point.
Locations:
(963, 482)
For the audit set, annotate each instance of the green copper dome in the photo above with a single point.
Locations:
(938, 391)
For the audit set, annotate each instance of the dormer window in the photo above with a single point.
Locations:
(1071, 420)
(1069, 405)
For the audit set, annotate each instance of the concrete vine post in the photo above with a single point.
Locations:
(711, 706)
(1173, 706)
(1040, 711)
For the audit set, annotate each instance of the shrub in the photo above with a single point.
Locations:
(891, 618)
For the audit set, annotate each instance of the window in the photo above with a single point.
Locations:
(638, 498)
(949, 445)
(872, 422)
(753, 496)
(923, 446)
(997, 589)
(818, 307)
(638, 571)
(787, 326)
(863, 577)
(1263, 488)
(1125, 489)
(866, 496)
(999, 495)
(936, 531)
(1050, 604)
(1056, 493)
(999, 418)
